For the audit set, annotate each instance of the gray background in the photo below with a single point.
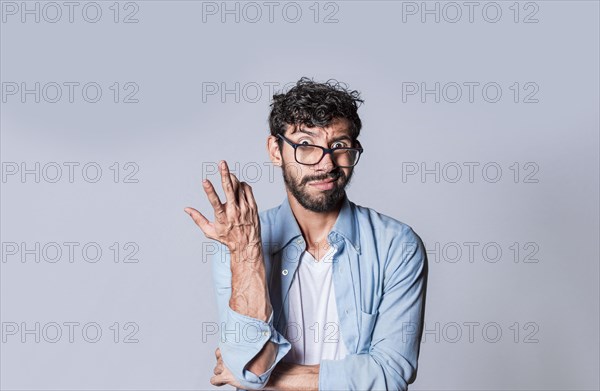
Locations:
(546, 310)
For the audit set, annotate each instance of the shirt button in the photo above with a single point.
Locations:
(346, 311)
(299, 241)
(266, 333)
(284, 272)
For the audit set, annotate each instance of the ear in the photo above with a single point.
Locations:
(273, 149)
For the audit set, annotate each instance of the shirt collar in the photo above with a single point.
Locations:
(288, 229)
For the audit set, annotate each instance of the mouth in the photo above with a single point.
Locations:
(323, 184)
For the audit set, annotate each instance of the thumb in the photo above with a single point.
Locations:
(206, 226)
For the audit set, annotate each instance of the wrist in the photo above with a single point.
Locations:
(246, 254)
(257, 308)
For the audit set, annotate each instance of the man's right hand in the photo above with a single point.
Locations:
(237, 224)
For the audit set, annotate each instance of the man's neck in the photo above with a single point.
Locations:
(315, 226)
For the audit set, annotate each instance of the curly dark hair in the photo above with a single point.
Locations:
(315, 104)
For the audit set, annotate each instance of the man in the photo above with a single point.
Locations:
(317, 293)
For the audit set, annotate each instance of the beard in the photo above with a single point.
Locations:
(319, 200)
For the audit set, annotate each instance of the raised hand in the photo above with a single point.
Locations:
(236, 224)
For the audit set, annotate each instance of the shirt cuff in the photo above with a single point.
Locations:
(242, 338)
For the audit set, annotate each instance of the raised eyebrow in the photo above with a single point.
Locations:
(303, 130)
(344, 137)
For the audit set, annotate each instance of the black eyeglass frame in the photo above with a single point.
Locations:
(325, 150)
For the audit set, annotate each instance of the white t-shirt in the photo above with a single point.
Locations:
(313, 324)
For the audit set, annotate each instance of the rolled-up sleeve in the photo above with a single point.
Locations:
(242, 337)
(391, 361)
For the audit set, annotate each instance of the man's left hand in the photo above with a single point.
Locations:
(222, 374)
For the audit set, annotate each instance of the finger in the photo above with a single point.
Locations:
(237, 187)
(218, 369)
(226, 182)
(218, 352)
(249, 196)
(235, 182)
(244, 206)
(213, 197)
(206, 226)
(217, 380)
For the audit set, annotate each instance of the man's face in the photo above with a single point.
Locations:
(301, 180)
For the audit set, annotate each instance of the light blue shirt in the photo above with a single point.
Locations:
(380, 276)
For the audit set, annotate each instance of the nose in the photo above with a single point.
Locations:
(326, 164)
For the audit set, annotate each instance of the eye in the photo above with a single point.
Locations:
(303, 141)
(339, 144)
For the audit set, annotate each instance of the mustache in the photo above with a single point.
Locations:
(334, 176)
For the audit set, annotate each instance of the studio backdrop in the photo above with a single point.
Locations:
(480, 131)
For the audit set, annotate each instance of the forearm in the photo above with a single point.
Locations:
(249, 291)
(250, 297)
(294, 377)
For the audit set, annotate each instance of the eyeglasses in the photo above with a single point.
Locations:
(309, 154)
